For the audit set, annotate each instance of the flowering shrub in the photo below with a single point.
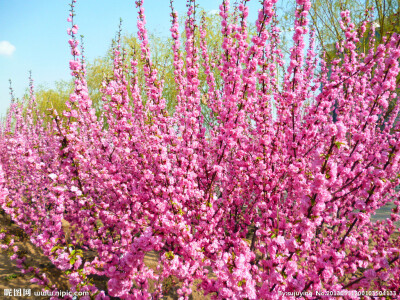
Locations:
(248, 205)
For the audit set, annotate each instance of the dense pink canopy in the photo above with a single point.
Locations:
(250, 204)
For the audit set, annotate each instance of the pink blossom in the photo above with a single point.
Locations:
(244, 185)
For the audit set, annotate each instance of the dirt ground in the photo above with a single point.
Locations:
(11, 276)
(12, 280)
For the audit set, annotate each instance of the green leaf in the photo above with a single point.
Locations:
(241, 282)
(284, 275)
(169, 255)
(338, 144)
(55, 248)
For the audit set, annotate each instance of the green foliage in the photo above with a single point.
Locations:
(162, 60)
(325, 19)
(10, 277)
(97, 70)
(47, 98)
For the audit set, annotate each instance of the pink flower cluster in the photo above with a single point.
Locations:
(227, 195)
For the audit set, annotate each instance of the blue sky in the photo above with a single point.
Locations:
(34, 36)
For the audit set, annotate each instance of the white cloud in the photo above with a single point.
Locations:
(6, 48)
(213, 12)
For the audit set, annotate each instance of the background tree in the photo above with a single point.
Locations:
(162, 60)
(325, 19)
